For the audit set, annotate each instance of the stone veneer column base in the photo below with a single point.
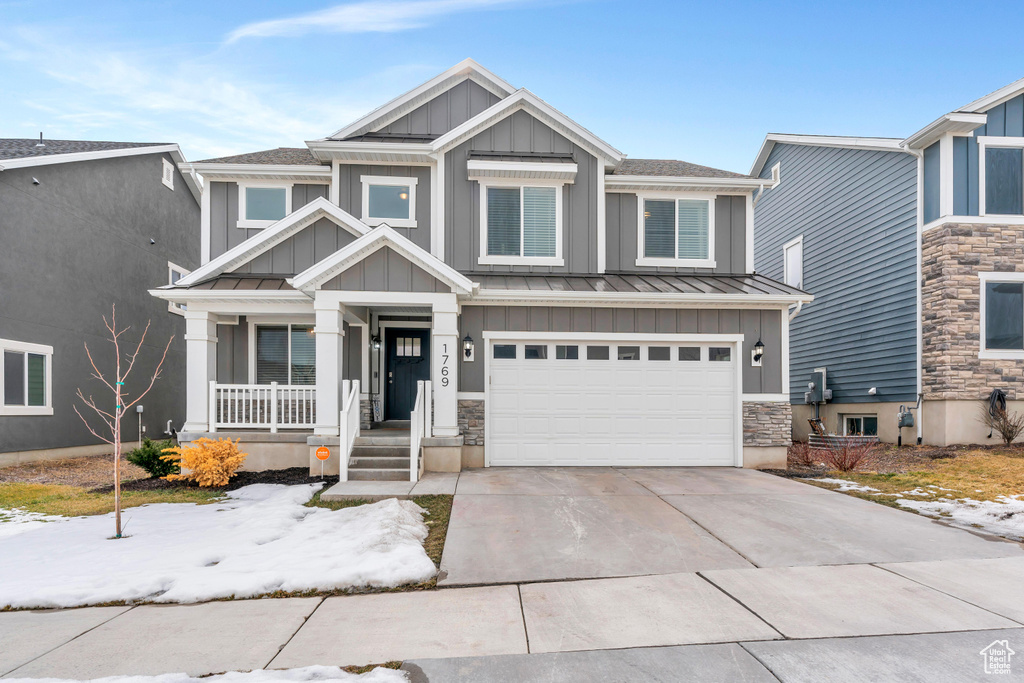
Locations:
(471, 427)
(767, 433)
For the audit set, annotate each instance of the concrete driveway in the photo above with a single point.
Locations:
(514, 525)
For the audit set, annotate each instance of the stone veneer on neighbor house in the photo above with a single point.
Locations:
(767, 423)
(952, 256)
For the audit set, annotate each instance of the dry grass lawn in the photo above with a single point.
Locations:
(75, 501)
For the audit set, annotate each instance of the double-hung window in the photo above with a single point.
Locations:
(390, 200)
(285, 354)
(262, 204)
(1002, 315)
(25, 384)
(1001, 165)
(676, 231)
(521, 225)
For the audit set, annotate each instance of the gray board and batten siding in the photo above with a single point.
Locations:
(520, 132)
(451, 108)
(857, 212)
(730, 236)
(350, 195)
(1004, 120)
(766, 324)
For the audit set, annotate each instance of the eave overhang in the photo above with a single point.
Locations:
(957, 123)
(623, 183)
(380, 152)
(292, 172)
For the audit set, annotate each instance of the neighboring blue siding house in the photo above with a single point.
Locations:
(902, 242)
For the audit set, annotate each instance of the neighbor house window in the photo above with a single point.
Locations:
(25, 383)
(285, 354)
(1001, 175)
(521, 225)
(175, 273)
(793, 262)
(389, 200)
(1002, 315)
(860, 425)
(676, 232)
(262, 205)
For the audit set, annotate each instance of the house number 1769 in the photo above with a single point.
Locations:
(445, 371)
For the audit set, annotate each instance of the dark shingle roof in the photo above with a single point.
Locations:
(289, 156)
(669, 167)
(23, 148)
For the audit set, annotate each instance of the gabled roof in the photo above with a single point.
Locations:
(380, 238)
(965, 119)
(523, 99)
(403, 104)
(25, 152)
(274, 235)
(994, 99)
(841, 141)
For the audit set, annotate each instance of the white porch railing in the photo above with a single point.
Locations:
(419, 426)
(349, 424)
(262, 406)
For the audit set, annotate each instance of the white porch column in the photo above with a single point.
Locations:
(201, 368)
(330, 346)
(444, 367)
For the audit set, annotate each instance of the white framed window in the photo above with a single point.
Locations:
(390, 200)
(860, 425)
(26, 384)
(167, 174)
(676, 230)
(1002, 315)
(1000, 176)
(521, 224)
(261, 204)
(793, 262)
(175, 273)
(284, 353)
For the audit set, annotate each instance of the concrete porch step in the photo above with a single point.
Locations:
(395, 438)
(379, 474)
(363, 463)
(381, 451)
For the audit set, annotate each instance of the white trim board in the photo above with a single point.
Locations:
(391, 181)
(841, 141)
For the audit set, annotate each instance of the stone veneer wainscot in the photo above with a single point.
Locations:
(767, 423)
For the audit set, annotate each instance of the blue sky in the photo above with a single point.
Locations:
(701, 82)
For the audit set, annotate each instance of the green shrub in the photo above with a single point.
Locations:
(147, 456)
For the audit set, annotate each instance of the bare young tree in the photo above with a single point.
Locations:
(111, 418)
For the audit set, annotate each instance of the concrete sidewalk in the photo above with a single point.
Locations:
(795, 620)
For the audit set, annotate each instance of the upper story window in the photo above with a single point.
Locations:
(260, 205)
(676, 231)
(521, 225)
(175, 273)
(1002, 315)
(167, 174)
(390, 200)
(1001, 163)
(25, 385)
(285, 354)
(793, 263)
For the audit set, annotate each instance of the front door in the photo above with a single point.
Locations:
(408, 361)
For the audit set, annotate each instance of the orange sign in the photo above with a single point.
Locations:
(323, 453)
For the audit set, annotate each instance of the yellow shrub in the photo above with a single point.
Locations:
(209, 462)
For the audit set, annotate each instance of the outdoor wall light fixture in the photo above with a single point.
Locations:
(467, 347)
(757, 353)
(376, 342)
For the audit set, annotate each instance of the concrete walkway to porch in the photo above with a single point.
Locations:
(735, 575)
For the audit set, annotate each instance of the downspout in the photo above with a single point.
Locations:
(919, 155)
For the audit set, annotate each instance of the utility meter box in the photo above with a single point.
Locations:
(905, 419)
(817, 393)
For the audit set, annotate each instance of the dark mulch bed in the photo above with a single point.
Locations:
(294, 475)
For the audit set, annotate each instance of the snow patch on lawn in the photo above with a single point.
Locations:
(259, 539)
(309, 673)
(1003, 517)
(18, 521)
(847, 485)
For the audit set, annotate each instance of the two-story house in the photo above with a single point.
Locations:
(912, 248)
(84, 225)
(568, 306)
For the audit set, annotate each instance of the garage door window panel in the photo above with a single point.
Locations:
(567, 352)
(597, 353)
(504, 351)
(535, 352)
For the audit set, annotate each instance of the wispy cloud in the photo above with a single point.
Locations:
(373, 16)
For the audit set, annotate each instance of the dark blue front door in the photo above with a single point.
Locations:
(408, 361)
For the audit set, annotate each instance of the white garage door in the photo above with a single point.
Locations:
(612, 403)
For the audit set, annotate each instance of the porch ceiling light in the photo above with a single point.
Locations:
(758, 350)
(467, 346)
(376, 342)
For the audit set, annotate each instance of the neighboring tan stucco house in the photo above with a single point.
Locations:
(88, 224)
(569, 306)
(913, 250)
